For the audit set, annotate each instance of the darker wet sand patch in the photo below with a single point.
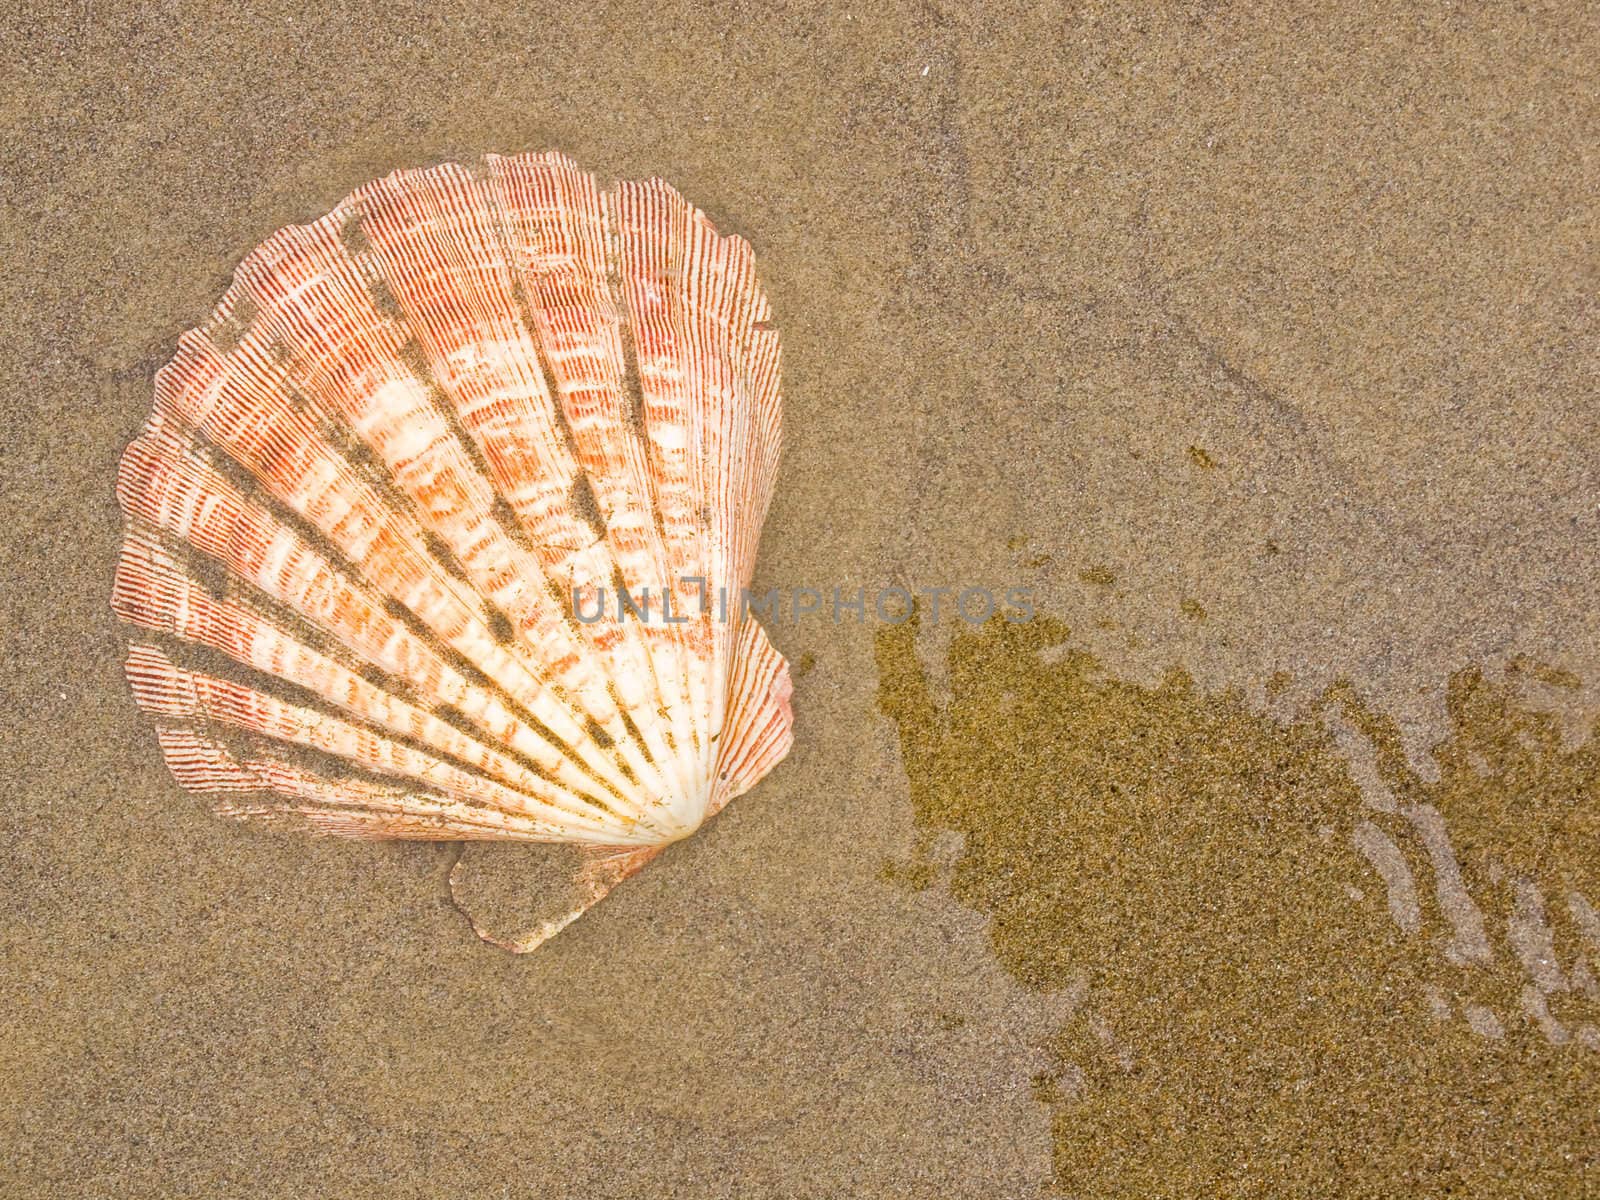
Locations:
(1253, 1016)
(1097, 576)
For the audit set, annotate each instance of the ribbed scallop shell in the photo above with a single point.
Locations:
(414, 442)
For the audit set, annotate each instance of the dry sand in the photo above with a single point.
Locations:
(1262, 345)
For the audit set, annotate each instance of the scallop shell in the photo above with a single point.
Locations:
(381, 518)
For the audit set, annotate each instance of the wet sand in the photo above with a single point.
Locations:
(1262, 347)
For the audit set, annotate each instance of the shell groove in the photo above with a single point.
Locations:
(416, 442)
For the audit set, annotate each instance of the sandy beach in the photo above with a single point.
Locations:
(1258, 347)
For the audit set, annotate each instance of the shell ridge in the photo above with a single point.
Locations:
(151, 593)
(650, 227)
(708, 287)
(259, 562)
(436, 327)
(469, 485)
(269, 790)
(566, 198)
(215, 498)
(664, 643)
(556, 218)
(527, 351)
(721, 445)
(761, 720)
(167, 690)
(274, 312)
